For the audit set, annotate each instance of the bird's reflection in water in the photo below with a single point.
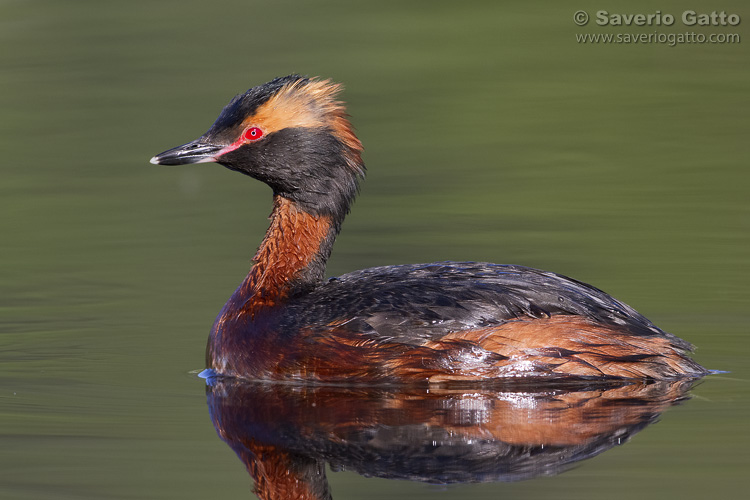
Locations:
(285, 434)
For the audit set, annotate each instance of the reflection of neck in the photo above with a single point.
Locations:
(291, 257)
(279, 475)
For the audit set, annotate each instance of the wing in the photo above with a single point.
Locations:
(414, 304)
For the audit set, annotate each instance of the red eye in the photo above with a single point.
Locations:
(252, 134)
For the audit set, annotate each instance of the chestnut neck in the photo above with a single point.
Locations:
(291, 258)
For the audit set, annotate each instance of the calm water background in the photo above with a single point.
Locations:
(490, 134)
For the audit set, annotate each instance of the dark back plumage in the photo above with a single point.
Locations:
(420, 302)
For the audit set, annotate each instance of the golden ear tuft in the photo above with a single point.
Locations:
(326, 93)
(311, 103)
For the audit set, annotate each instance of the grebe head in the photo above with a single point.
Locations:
(291, 133)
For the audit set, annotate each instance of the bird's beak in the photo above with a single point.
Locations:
(198, 151)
